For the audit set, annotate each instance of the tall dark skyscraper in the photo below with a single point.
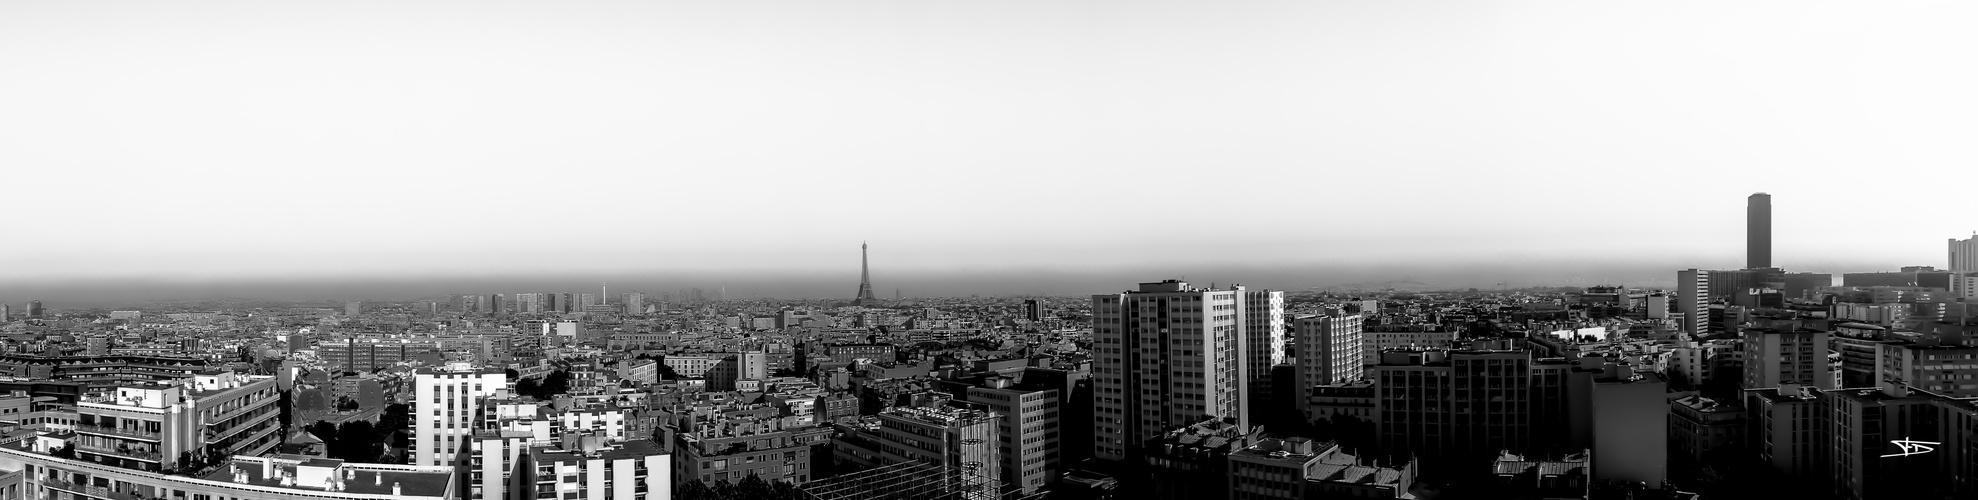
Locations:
(34, 309)
(1758, 232)
(865, 278)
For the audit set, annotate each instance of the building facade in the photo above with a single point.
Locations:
(446, 409)
(1027, 432)
(961, 440)
(1786, 354)
(1693, 299)
(1263, 331)
(162, 426)
(592, 469)
(1165, 355)
(1329, 350)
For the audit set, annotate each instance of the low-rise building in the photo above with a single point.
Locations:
(240, 477)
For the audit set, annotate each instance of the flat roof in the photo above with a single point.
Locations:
(630, 449)
(1253, 453)
(363, 480)
(476, 371)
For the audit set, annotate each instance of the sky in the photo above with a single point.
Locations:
(980, 147)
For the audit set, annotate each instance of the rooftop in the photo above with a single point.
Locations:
(1574, 464)
(1708, 405)
(1291, 453)
(622, 451)
(1775, 395)
(1356, 474)
(369, 479)
(939, 415)
(477, 371)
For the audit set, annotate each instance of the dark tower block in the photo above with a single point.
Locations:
(1758, 232)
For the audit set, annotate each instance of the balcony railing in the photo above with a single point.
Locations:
(117, 431)
(109, 450)
(94, 491)
(244, 409)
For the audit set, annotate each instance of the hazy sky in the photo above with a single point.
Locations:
(299, 142)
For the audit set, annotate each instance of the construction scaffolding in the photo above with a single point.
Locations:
(910, 481)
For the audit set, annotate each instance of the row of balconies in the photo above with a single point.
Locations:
(118, 431)
(121, 451)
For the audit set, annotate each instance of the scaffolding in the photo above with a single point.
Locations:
(910, 481)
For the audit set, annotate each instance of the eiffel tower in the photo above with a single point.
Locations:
(865, 280)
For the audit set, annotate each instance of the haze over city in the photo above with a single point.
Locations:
(988, 250)
(391, 151)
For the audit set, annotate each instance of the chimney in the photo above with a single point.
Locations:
(379, 478)
(267, 468)
(395, 491)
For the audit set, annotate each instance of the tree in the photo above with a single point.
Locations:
(357, 441)
(752, 487)
(287, 417)
(691, 489)
(396, 417)
(323, 430)
(557, 382)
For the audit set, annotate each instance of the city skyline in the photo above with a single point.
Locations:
(1350, 136)
(1156, 249)
(832, 285)
(789, 285)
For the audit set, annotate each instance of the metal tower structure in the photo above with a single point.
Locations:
(865, 278)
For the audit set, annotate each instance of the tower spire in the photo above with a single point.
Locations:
(865, 277)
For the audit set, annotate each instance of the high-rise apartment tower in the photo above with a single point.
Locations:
(1964, 255)
(1758, 231)
(1168, 355)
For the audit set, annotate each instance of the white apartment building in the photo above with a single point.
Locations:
(594, 469)
(153, 426)
(446, 410)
